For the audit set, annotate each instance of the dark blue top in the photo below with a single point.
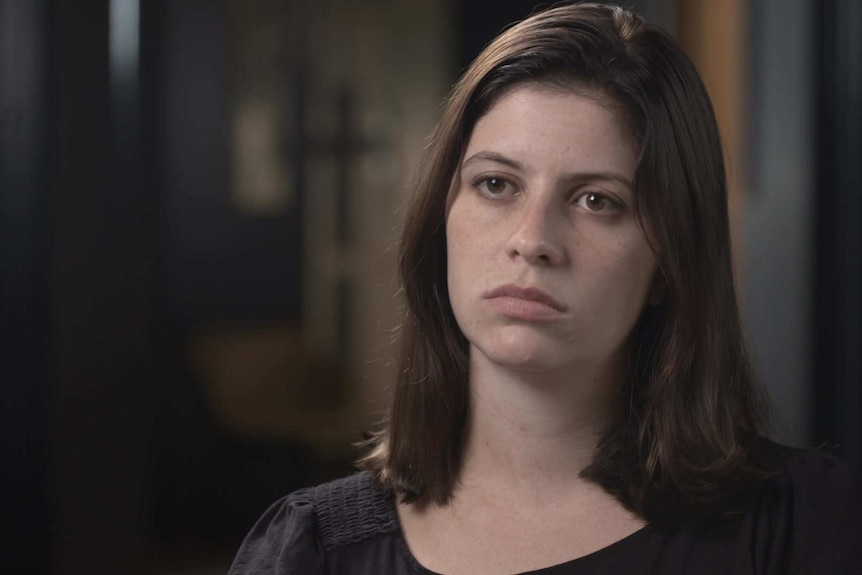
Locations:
(807, 519)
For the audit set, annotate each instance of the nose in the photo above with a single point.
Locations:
(535, 237)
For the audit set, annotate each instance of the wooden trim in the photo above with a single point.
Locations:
(714, 33)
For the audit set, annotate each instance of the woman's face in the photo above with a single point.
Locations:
(547, 266)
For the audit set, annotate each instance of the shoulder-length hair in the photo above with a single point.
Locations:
(685, 447)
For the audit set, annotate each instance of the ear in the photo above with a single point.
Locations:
(658, 290)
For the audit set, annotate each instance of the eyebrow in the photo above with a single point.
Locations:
(574, 177)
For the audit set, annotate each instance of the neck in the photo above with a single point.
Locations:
(536, 432)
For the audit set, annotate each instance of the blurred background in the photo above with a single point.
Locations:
(199, 203)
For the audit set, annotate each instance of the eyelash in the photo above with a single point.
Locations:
(481, 184)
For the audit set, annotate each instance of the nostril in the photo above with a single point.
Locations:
(536, 252)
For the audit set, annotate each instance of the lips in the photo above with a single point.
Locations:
(530, 294)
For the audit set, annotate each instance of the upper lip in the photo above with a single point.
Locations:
(528, 293)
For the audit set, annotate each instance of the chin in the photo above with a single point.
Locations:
(526, 354)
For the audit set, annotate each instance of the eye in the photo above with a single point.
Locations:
(596, 202)
(494, 186)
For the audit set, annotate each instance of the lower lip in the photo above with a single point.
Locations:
(518, 308)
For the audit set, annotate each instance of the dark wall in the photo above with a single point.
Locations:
(837, 383)
(25, 341)
(117, 237)
(102, 290)
(478, 23)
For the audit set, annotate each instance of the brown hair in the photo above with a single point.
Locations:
(686, 446)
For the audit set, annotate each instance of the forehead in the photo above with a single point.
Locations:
(555, 128)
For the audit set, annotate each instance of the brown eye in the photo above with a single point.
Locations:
(493, 186)
(594, 202)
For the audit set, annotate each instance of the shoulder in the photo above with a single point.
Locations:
(811, 477)
(295, 533)
(812, 468)
(352, 509)
(816, 499)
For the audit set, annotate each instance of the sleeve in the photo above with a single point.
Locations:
(282, 542)
(827, 515)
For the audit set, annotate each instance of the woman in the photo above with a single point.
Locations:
(574, 393)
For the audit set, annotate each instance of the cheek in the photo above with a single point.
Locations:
(468, 261)
(635, 277)
(619, 270)
(466, 236)
(458, 255)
